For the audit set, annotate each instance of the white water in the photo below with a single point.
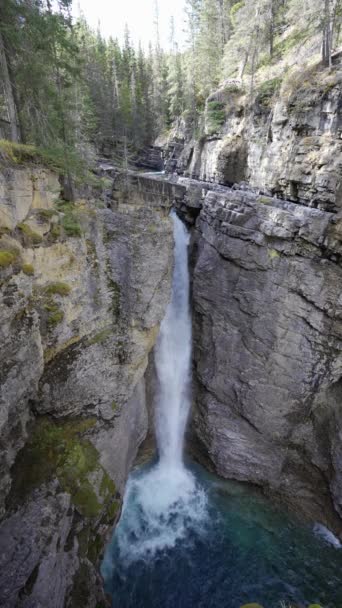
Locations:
(173, 357)
(327, 535)
(160, 506)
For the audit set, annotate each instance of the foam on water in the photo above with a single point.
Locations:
(327, 535)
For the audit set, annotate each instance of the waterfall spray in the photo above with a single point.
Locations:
(161, 505)
(173, 359)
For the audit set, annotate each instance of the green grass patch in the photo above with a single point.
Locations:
(17, 153)
(63, 160)
(58, 288)
(61, 450)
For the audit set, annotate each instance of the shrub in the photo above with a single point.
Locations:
(28, 269)
(267, 90)
(216, 115)
(6, 258)
(69, 222)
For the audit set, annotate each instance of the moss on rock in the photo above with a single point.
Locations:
(28, 269)
(7, 258)
(100, 337)
(58, 288)
(61, 450)
(30, 236)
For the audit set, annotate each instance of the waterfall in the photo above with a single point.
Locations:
(173, 358)
(163, 503)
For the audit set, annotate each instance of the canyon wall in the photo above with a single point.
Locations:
(267, 304)
(267, 314)
(286, 143)
(84, 287)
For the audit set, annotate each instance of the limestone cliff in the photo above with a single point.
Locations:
(267, 308)
(267, 314)
(284, 140)
(84, 287)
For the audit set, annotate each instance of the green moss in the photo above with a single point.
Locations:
(114, 406)
(55, 231)
(115, 291)
(251, 606)
(100, 337)
(107, 486)
(31, 236)
(273, 253)
(6, 258)
(91, 249)
(60, 450)
(54, 318)
(264, 200)
(112, 511)
(95, 548)
(59, 288)
(85, 500)
(46, 214)
(28, 269)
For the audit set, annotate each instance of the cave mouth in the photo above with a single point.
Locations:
(230, 547)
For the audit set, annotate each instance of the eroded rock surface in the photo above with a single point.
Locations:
(267, 313)
(84, 288)
(287, 143)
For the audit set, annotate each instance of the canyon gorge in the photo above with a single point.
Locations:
(84, 289)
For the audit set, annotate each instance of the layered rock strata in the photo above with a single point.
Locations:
(84, 287)
(267, 314)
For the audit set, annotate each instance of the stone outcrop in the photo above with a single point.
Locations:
(84, 287)
(287, 143)
(267, 315)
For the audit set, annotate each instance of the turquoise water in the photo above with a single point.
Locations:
(228, 546)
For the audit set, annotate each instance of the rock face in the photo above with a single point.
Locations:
(287, 144)
(83, 290)
(267, 314)
(267, 278)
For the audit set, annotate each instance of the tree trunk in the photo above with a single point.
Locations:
(8, 87)
(326, 42)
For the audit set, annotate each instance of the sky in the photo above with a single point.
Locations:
(138, 14)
